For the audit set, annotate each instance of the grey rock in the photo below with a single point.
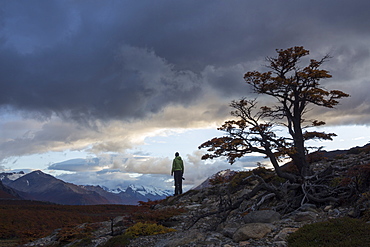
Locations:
(353, 213)
(284, 233)
(308, 207)
(186, 238)
(305, 216)
(229, 229)
(280, 244)
(263, 216)
(252, 230)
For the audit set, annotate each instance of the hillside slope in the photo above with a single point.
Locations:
(233, 211)
(7, 193)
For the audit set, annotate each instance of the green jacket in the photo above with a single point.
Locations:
(177, 164)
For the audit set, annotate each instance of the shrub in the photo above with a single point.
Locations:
(146, 229)
(340, 232)
(358, 150)
(360, 176)
(238, 178)
(366, 215)
(268, 175)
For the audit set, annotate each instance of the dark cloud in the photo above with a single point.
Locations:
(123, 60)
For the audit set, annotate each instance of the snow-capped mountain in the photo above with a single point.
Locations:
(44, 187)
(132, 194)
(114, 191)
(141, 190)
(148, 190)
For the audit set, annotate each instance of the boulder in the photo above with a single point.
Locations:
(229, 229)
(308, 208)
(252, 230)
(305, 216)
(284, 233)
(263, 216)
(185, 238)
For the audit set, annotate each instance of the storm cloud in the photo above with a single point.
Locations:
(123, 60)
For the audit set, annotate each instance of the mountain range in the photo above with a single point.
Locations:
(40, 186)
(44, 187)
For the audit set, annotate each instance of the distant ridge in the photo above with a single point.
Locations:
(40, 186)
(44, 187)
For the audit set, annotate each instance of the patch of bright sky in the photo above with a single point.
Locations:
(184, 142)
(347, 137)
(188, 141)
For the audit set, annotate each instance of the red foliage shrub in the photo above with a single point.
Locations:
(360, 176)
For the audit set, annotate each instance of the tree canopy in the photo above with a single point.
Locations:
(254, 129)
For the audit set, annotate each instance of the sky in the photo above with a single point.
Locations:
(105, 92)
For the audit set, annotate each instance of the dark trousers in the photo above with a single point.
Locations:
(178, 182)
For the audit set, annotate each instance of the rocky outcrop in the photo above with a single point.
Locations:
(257, 228)
(221, 215)
(256, 221)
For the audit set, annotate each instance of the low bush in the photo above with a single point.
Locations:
(238, 178)
(137, 230)
(146, 229)
(340, 232)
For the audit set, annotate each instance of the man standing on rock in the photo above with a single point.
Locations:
(177, 171)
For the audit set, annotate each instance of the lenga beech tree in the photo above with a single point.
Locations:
(294, 88)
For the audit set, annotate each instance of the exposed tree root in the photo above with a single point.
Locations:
(289, 196)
